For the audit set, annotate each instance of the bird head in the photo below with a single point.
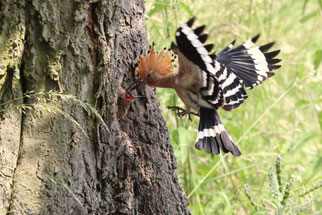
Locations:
(124, 101)
(155, 66)
(127, 97)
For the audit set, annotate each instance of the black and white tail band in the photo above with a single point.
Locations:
(224, 78)
(212, 136)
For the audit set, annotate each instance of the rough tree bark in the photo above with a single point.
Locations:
(47, 164)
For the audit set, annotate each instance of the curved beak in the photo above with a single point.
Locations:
(135, 97)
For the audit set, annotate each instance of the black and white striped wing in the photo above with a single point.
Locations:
(231, 86)
(251, 64)
(226, 74)
(224, 77)
(220, 85)
(191, 44)
(245, 65)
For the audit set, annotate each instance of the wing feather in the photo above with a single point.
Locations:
(225, 75)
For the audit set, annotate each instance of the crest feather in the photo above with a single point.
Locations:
(161, 62)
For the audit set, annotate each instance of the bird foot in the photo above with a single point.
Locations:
(182, 112)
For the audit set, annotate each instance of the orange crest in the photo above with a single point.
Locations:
(158, 62)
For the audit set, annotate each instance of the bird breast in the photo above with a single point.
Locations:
(188, 87)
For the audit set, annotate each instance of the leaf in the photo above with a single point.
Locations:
(302, 102)
(309, 16)
(157, 7)
(304, 5)
(186, 8)
(308, 137)
(320, 119)
(317, 58)
(226, 200)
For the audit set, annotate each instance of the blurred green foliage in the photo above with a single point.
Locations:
(281, 116)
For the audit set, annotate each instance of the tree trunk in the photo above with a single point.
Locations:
(56, 155)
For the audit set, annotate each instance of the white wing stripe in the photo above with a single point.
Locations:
(202, 50)
(257, 55)
(229, 80)
(259, 61)
(234, 102)
(248, 44)
(204, 79)
(196, 43)
(186, 29)
(223, 76)
(232, 91)
(214, 101)
(211, 87)
(206, 58)
(194, 39)
(211, 69)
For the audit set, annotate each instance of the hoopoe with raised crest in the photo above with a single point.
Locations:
(206, 82)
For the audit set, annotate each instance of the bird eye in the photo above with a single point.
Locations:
(148, 75)
(120, 97)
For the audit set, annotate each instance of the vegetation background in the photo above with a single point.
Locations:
(283, 116)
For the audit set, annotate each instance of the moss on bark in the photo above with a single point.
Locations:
(86, 48)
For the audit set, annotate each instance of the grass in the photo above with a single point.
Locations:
(282, 117)
(44, 97)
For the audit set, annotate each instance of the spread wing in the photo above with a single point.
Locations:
(247, 65)
(191, 44)
(226, 74)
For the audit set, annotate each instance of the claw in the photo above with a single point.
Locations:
(182, 112)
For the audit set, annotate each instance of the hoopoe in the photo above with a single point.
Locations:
(124, 100)
(206, 82)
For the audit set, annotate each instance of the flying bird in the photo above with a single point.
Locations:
(206, 81)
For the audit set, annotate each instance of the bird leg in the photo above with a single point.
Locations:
(182, 112)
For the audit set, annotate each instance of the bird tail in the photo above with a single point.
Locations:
(212, 135)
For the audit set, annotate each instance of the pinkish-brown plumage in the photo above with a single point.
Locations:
(155, 67)
(206, 82)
